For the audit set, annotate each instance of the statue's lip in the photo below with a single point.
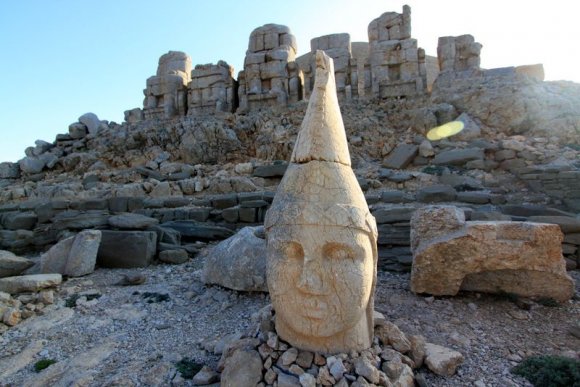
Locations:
(314, 308)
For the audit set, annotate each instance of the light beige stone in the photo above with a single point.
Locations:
(29, 283)
(443, 361)
(450, 254)
(321, 238)
(166, 92)
(271, 76)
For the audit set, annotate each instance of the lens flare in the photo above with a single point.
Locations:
(445, 130)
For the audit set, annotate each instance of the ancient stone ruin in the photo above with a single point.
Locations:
(270, 76)
(207, 228)
(166, 92)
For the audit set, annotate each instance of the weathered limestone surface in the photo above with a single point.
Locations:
(11, 265)
(338, 47)
(321, 237)
(450, 254)
(238, 263)
(74, 256)
(166, 92)
(397, 65)
(270, 76)
(458, 53)
(29, 283)
(212, 89)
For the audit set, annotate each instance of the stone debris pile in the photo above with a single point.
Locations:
(393, 359)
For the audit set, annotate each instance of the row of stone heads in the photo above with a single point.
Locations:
(389, 64)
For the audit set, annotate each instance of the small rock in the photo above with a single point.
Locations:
(307, 380)
(132, 280)
(285, 380)
(175, 257)
(324, 377)
(442, 361)
(205, 376)
(336, 367)
(11, 317)
(364, 368)
(305, 359)
(390, 334)
(289, 356)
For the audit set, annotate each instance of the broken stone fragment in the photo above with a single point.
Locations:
(11, 264)
(443, 361)
(29, 283)
(514, 257)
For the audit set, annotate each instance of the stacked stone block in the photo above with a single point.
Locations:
(458, 53)
(397, 65)
(360, 69)
(337, 46)
(166, 92)
(212, 89)
(271, 76)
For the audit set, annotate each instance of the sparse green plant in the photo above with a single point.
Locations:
(188, 367)
(548, 301)
(152, 297)
(43, 364)
(550, 371)
(511, 297)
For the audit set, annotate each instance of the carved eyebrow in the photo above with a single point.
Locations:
(331, 248)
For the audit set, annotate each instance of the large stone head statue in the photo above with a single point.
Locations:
(322, 239)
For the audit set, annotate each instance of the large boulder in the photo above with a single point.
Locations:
(127, 249)
(238, 263)
(11, 265)
(450, 254)
(9, 170)
(75, 256)
(91, 121)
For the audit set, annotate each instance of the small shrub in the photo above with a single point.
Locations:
(71, 302)
(548, 301)
(188, 367)
(511, 297)
(550, 371)
(152, 297)
(42, 364)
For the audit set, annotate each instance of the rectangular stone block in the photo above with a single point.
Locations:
(248, 215)
(126, 249)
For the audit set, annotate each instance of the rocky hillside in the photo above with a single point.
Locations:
(159, 191)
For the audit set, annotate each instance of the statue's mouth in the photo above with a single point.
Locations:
(314, 308)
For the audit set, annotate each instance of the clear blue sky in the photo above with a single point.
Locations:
(61, 58)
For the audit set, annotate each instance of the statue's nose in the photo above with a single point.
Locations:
(312, 278)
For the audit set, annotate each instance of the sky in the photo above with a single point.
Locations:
(63, 58)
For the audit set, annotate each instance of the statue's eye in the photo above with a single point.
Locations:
(338, 251)
(293, 250)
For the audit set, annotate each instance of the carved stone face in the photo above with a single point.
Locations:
(320, 277)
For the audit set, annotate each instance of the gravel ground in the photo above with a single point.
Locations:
(134, 335)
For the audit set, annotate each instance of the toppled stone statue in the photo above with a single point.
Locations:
(321, 237)
(450, 254)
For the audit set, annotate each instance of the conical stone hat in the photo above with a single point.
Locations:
(319, 186)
